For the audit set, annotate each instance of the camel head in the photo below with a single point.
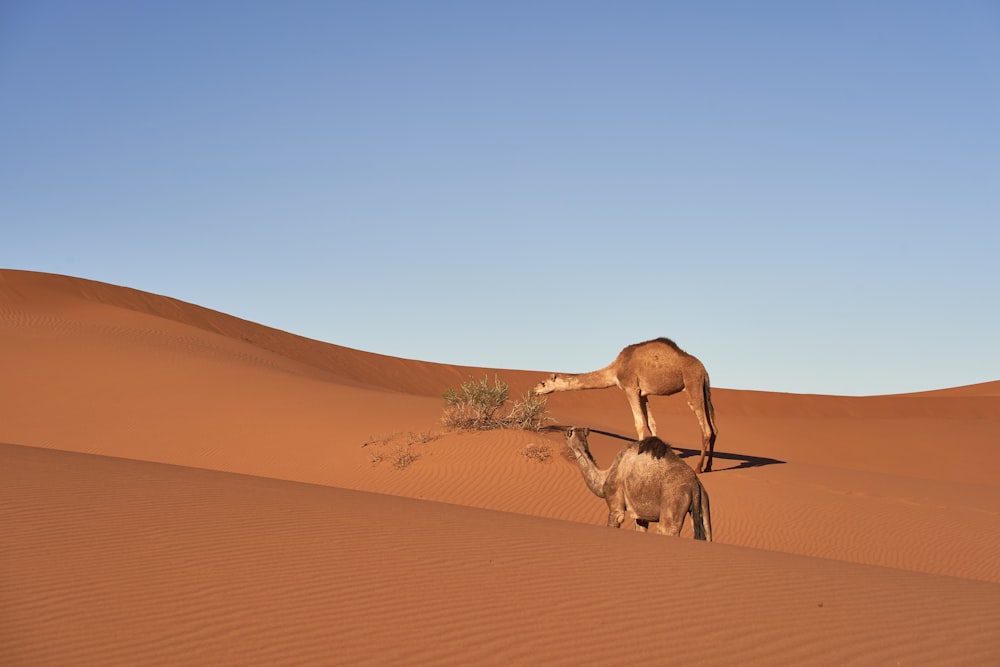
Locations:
(548, 385)
(576, 440)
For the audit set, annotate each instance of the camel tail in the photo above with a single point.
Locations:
(706, 512)
(706, 391)
(701, 514)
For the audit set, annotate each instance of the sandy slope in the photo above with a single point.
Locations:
(884, 510)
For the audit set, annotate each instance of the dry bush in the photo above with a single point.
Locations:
(476, 405)
(409, 438)
(534, 452)
(529, 413)
(420, 438)
(402, 455)
(377, 441)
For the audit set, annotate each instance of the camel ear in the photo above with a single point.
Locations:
(554, 376)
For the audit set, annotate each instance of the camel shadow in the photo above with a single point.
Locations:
(746, 460)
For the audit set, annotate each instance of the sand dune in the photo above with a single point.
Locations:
(185, 487)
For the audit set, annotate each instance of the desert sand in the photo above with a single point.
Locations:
(182, 487)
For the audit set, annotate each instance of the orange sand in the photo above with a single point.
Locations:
(184, 487)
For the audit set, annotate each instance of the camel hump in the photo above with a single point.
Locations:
(655, 447)
(666, 341)
(662, 340)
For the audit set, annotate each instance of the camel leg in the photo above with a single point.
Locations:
(616, 507)
(638, 404)
(647, 413)
(672, 513)
(670, 525)
(696, 401)
(704, 511)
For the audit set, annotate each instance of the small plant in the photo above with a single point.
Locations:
(476, 406)
(378, 441)
(409, 438)
(529, 413)
(402, 455)
(420, 438)
(540, 453)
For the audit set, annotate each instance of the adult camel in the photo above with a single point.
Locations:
(648, 482)
(653, 368)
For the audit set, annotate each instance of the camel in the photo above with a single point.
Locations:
(653, 368)
(648, 481)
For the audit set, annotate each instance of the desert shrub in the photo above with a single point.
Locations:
(408, 438)
(402, 454)
(540, 453)
(529, 413)
(474, 405)
(419, 438)
(477, 405)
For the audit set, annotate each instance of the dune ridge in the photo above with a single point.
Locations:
(187, 487)
(185, 566)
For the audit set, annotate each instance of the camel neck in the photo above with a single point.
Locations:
(592, 475)
(592, 380)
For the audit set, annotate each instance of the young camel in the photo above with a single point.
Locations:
(653, 368)
(647, 481)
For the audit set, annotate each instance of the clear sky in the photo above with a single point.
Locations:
(804, 195)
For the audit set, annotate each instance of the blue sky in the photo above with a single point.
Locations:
(806, 196)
